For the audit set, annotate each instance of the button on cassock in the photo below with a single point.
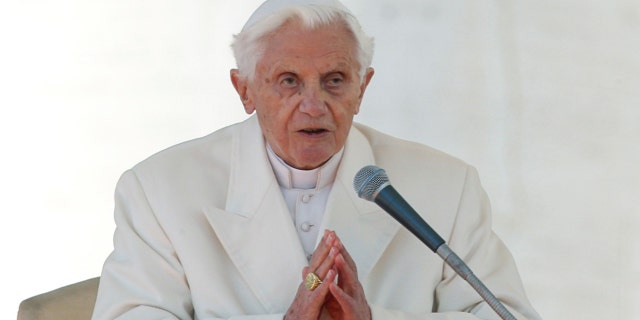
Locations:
(305, 226)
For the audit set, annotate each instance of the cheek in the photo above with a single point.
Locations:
(350, 109)
(266, 122)
(274, 127)
(344, 122)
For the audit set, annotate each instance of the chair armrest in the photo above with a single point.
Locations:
(72, 302)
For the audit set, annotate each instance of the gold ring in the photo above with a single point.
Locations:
(312, 281)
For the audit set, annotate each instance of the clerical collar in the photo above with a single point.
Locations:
(291, 178)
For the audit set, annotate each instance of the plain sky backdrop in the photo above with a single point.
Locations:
(540, 95)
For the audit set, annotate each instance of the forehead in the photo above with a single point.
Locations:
(326, 46)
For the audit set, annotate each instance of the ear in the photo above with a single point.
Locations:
(363, 87)
(240, 83)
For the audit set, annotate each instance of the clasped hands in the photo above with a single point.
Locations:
(343, 299)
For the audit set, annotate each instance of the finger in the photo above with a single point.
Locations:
(328, 264)
(348, 279)
(340, 296)
(347, 269)
(345, 254)
(352, 306)
(319, 294)
(344, 300)
(305, 270)
(322, 258)
(328, 280)
(322, 251)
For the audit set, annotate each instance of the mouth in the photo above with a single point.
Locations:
(313, 131)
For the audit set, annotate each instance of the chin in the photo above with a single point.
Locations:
(308, 163)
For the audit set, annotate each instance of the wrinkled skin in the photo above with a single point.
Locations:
(306, 91)
(343, 299)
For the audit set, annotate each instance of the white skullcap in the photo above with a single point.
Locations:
(270, 7)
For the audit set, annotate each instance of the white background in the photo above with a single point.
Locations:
(541, 96)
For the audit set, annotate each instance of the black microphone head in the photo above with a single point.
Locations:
(369, 181)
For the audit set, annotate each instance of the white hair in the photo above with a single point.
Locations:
(248, 46)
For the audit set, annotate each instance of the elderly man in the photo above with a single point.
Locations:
(236, 225)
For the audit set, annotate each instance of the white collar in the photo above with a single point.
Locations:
(291, 178)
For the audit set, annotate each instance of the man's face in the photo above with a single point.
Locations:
(306, 91)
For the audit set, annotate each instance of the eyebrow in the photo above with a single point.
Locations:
(280, 68)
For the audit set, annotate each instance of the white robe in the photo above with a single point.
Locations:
(203, 232)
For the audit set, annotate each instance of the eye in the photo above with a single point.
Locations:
(334, 80)
(288, 81)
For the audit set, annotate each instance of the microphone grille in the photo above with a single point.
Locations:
(368, 181)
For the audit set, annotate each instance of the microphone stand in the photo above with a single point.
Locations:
(371, 183)
(461, 268)
(390, 200)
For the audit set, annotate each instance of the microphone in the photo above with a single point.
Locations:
(372, 183)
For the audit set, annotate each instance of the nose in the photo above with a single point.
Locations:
(312, 102)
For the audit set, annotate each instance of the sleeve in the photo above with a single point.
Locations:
(143, 278)
(475, 242)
